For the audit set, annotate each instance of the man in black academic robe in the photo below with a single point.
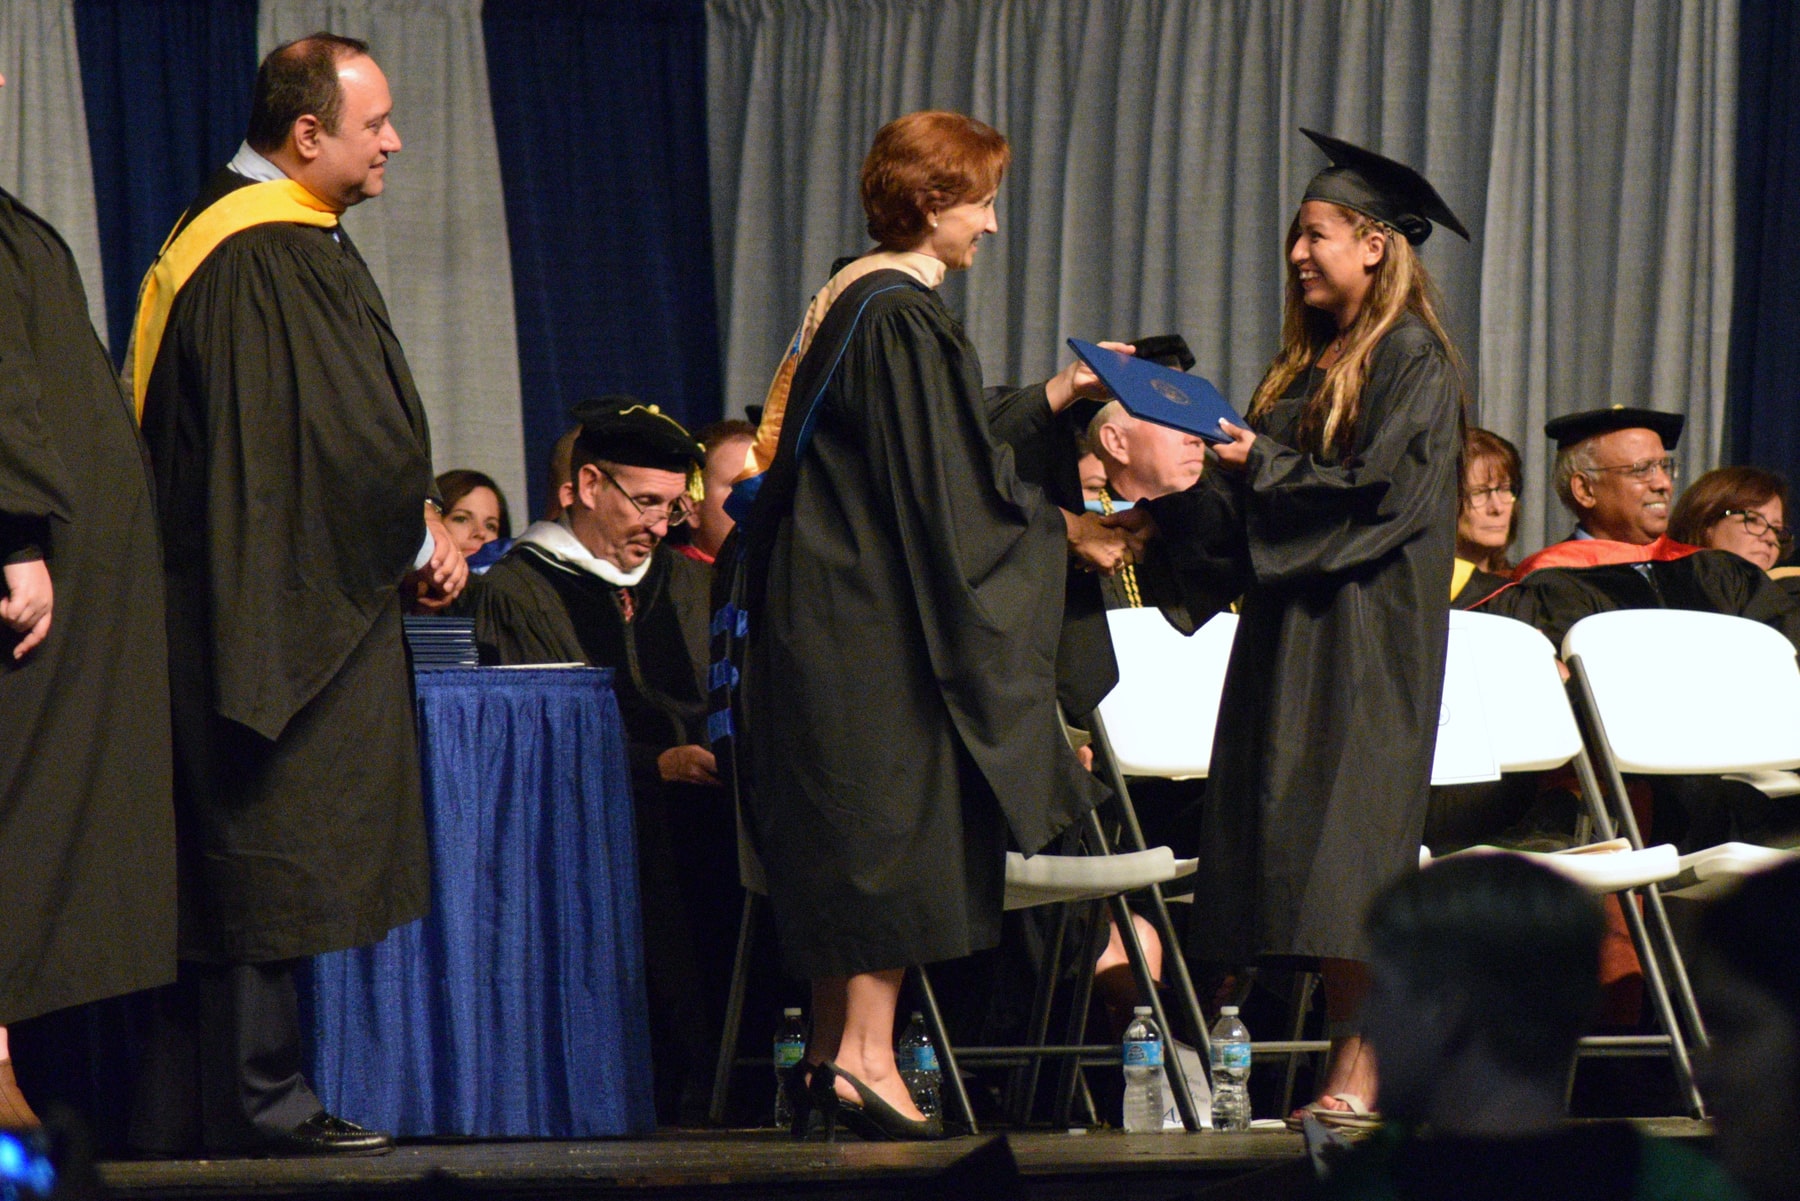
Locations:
(294, 469)
(598, 587)
(87, 833)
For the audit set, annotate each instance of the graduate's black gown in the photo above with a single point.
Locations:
(1321, 760)
(292, 463)
(87, 840)
(901, 679)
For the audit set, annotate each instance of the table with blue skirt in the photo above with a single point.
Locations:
(516, 1006)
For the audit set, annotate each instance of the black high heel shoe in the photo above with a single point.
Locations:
(873, 1118)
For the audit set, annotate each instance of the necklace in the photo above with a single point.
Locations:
(1333, 349)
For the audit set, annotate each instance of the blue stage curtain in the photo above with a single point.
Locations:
(167, 86)
(1764, 374)
(600, 110)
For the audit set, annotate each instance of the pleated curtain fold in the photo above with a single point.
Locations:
(1157, 163)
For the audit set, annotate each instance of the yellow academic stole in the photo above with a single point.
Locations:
(238, 210)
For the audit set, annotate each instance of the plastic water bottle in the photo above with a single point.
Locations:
(790, 1048)
(1143, 1058)
(917, 1060)
(1230, 1072)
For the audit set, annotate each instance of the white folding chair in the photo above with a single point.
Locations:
(1628, 671)
(1158, 722)
(1533, 727)
(1030, 882)
(1708, 874)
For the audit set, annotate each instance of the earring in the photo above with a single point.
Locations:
(934, 223)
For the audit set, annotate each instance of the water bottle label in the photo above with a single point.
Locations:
(1143, 1054)
(788, 1054)
(1231, 1056)
(925, 1059)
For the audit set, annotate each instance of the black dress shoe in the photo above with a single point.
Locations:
(323, 1134)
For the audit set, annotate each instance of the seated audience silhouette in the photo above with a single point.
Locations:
(1748, 976)
(1483, 980)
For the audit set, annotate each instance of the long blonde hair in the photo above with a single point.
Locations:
(1400, 285)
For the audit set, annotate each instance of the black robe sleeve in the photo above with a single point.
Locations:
(292, 459)
(35, 484)
(1306, 517)
(986, 553)
(519, 619)
(1044, 454)
(1292, 517)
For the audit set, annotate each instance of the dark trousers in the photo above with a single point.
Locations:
(222, 1066)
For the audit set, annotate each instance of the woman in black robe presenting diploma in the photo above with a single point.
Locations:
(1335, 516)
(906, 595)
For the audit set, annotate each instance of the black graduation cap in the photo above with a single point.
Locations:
(1571, 428)
(623, 429)
(1171, 350)
(1391, 192)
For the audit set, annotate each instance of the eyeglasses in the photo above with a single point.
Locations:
(674, 513)
(1504, 494)
(1758, 526)
(1641, 472)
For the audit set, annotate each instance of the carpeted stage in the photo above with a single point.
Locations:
(746, 1165)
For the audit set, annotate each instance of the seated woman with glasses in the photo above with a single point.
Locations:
(1739, 509)
(1488, 520)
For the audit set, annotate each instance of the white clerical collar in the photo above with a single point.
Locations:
(559, 546)
(253, 166)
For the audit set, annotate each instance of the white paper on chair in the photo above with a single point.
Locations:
(1465, 749)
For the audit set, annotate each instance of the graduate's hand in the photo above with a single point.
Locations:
(1078, 380)
(688, 765)
(447, 571)
(1235, 454)
(1137, 525)
(29, 599)
(1094, 546)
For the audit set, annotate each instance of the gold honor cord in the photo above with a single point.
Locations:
(1127, 573)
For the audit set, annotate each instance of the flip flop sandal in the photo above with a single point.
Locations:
(1357, 1117)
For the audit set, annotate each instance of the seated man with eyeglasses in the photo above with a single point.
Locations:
(596, 586)
(1615, 472)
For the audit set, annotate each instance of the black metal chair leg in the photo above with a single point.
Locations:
(934, 1018)
(734, 1011)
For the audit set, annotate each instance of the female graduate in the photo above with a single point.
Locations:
(906, 598)
(1335, 516)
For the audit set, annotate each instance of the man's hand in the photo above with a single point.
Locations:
(433, 586)
(1235, 454)
(1078, 380)
(1138, 527)
(1096, 546)
(688, 765)
(29, 599)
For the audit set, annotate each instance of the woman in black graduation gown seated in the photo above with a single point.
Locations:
(1335, 516)
(906, 595)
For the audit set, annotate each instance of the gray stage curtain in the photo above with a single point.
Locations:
(44, 158)
(1157, 163)
(436, 238)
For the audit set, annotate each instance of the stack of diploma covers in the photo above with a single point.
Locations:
(441, 641)
(1151, 392)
